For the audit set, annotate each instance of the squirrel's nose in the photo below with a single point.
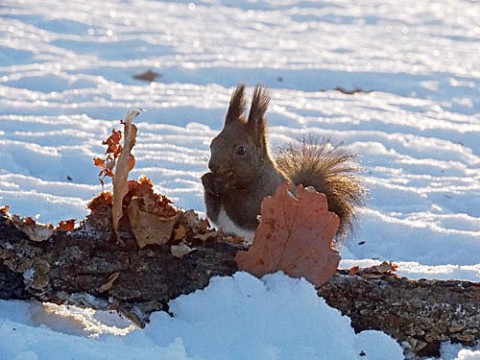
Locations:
(214, 167)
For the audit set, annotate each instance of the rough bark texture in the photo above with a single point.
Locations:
(87, 267)
(421, 313)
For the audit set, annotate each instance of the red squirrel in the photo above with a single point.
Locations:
(243, 172)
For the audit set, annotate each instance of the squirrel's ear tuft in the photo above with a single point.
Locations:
(237, 104)
(256, 118)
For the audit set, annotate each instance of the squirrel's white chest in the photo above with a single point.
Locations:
(225, 224)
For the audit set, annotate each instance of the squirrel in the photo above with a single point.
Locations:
(243, 172)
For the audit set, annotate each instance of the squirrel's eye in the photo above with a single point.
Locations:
(240, 150)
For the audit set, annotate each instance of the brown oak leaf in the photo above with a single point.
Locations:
(295, 235)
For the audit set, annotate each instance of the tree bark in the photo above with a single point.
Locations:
(421, 313)
(87, 267)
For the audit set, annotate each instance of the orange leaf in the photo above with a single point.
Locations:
(353, 270)
(66, 225)
(98, 162)
(114, 138)
(101, 200)
(295, 235)
(29, 221)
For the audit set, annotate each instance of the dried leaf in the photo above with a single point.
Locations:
(151, 202)
(29, 221)
(113, 143)
(123, 167)
(148, 75)
(295, 235)
(386, 267)
(66, 225)
(354, 270)
(200, 228)
(34, 231)
(207, 235)
(113, 151)
(148, 228)
(99, 202)
(179, 232)
(109, 283)
(98, 162)
(180, 250)
(376, 272)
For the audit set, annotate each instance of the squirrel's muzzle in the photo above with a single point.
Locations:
(216, 169)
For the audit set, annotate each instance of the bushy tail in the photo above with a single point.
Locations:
(329, 168)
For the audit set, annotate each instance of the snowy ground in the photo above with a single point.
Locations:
(66, 77)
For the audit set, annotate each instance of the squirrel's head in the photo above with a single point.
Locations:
(240, 150)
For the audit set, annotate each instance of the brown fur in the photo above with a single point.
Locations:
(243, 172)
(331, 170)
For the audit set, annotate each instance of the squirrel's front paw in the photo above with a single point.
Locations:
(211, 184)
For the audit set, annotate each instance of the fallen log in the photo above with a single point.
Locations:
(418, 313)
(85, 266)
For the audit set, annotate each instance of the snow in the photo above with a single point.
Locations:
(233, 318)
(66, 78)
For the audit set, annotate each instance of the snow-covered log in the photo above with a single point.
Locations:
(419, 313)
(85, 266)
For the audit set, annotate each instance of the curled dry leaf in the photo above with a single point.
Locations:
(179, 232)
(109, 283)
(114, 148)
(65, 225)
(181, 250)
(149, 228)
(100, 202)
(190, 226)
(151, 216)
(376, 272)
(295, 235)
(353, 270)
(125, 163)
(35, 231)
(154, 203)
